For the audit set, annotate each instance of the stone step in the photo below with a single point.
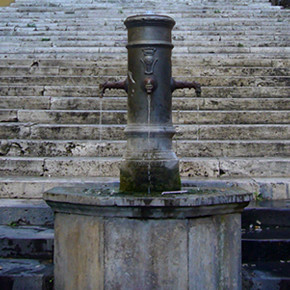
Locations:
(15, 212)
(30, 242)
(266, 275)
(267, 245)
(109, 132)
(68, 11)
(122, 12)
(77, 16)
(266, 214)
(266, 54)
(184, 15)
(26, 274)
(121, 70)
(109, 23)
(90, 5)
(119, 117)
(96, 80)
(33, 187)
(120, 103)
(93, 91)
(29, 52)
(217, 61)
(180, 103)
(119, 32)
(193, 24)
(217, 46)
(190, 24)
(256, 3)
(101, 166)
(105, 60)
(119, 28)
(183, 148)
(266, 231)
(178, 37)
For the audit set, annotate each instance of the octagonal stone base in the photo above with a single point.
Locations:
(106, 240)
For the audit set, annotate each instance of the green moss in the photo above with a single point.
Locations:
(134, 177)
(31, 24)
(13, 224)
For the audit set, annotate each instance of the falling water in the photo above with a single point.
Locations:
(101, 119)
(148, 145)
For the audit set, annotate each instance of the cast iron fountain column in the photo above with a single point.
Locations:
(149, 164)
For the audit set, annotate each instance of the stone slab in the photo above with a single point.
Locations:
(26, 242)
(105, 200)
(213, 265)
(22, 274)
(266, 275)
(25, 212)
(108, 240)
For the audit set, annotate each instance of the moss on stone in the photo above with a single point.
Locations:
(134, 177)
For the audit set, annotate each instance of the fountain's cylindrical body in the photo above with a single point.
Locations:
(149, 163)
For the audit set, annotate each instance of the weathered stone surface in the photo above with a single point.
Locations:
(79, 247)
(231, 117)
(86, 132)
(60, 117)
(33, 187)
(273, 188)
(33, 274)
(21, 102)
(109, 166)
(53, 148)
(119, 103)
(214, 247)
(244, 132)
(21, 166)
(86, 103)
(25, 212)
(81, 167)
(106, 249)
(8, 116)
(199, 167)
(147, 254)
(205, 81)
(232, 148)
(107, 148)
(255, 168)
(26, 242)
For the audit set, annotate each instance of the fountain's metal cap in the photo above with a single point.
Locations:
(149, 30)
(149, 19)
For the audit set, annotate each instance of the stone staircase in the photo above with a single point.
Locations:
(26, 245)
(55, 129)
(265, 245)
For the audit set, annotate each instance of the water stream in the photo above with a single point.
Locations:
(148, 143)
(101, 120)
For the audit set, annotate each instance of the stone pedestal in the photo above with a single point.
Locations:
(170, 241)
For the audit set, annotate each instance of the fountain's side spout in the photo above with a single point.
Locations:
(121, 85)
(186, 85)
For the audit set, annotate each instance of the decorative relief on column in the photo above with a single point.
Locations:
(149, 61)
